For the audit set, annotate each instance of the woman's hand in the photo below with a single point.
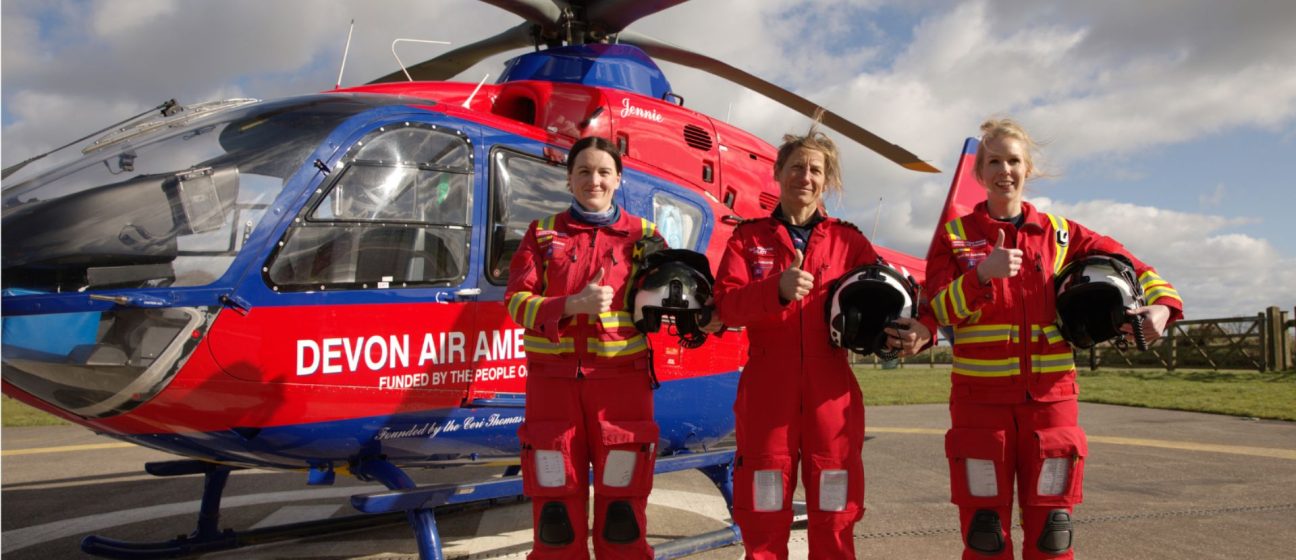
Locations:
(1002, 262)
(909, 338)
(1155, 318)
(594, 299)
(795, 283)
(715, 325)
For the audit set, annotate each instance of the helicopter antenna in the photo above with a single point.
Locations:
(475, 90)
(402, 64)
(345, 51)
(877, 216)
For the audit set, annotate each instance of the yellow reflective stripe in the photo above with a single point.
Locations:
(938, 306)
(617, 348)
(1052, 363)
(955, 229)
(545, 224)
(615, 319)
(1159, 293)
(1150, 279)
(1060, 250)
(985, 333)
(1049, 332)
(532, 309)
(1154, 288)
(540, 345)
(959, 300)
(515, 302)
(649, 228)
(986, 368)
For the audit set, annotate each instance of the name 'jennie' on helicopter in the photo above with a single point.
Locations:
(317, 283)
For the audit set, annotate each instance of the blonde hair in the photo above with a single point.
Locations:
(819, 142)
(1006, 127)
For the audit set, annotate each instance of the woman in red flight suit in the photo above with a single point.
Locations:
(589, 395)
(1013, 406)
(798, 400)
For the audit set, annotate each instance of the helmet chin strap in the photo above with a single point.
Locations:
(882, 349)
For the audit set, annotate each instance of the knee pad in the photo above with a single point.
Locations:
(1055, 538)
(555, 526)
(620, 525)
(985, 534)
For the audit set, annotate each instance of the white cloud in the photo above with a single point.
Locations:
(1219, 274)
(118, 18)
(1213, 198)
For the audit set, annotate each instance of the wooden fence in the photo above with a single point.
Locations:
(1260, 342)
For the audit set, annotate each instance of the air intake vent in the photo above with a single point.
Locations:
(768, 201)
(697, 137)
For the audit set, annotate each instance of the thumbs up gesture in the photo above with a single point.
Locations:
(1002, 262)
(595, 298)
(795, 283)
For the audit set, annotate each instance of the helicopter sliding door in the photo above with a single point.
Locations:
(524, 187)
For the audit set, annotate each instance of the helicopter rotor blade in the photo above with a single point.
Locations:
(672, 53)
(544, 13)
(450, 64)
(611, 16)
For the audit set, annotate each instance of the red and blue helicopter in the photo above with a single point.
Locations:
(315, 283)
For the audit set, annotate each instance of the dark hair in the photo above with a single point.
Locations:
(598, 143)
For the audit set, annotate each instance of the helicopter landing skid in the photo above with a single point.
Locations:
(717, 465)
(207, 536)
(404, 501)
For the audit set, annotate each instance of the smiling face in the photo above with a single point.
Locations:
(593, 179)
(1003, 166)
(801, 179)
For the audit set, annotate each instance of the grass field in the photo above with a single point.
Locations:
(1237, 393)
(17, 414)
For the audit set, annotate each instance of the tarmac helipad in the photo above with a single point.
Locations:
(1158, 484)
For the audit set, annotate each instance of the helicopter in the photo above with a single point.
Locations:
(315, 283)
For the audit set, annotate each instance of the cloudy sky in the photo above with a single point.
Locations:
(1167, 124)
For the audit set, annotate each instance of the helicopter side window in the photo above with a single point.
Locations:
(523, 189)
(396, 215)
(678, 221)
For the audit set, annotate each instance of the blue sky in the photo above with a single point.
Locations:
(1168, 124)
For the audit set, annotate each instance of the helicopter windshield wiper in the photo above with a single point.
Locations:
(168, 108)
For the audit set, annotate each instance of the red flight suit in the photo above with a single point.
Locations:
(798, 400)
(1013, 402)
(589, 395)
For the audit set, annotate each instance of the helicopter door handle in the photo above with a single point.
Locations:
(467, 293)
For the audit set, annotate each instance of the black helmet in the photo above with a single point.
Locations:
(674, 283)
(865, 301)
(1093, 294)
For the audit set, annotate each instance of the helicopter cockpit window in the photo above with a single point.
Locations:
(524, 189)
(678, 221)
(165, 206)
(397, 214)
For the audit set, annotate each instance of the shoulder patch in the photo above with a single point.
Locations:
(849, 225)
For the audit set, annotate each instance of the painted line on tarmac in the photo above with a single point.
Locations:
(65, 448)
(16, 539)
(1270, 452)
